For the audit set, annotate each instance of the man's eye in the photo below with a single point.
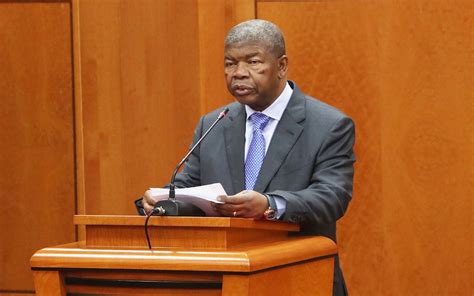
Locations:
(253, 62)
(229, 64)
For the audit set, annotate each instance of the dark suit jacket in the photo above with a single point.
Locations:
(309, 163)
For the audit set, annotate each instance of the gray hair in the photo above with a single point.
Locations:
(258, 31)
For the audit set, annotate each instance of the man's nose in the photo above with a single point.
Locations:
(240, 71)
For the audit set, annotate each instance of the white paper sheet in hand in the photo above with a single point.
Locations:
(200, 196)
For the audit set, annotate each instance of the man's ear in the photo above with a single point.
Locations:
(282, 66)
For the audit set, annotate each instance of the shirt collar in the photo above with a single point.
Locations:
(276, 109)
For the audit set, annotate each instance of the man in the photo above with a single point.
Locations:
(280, 154)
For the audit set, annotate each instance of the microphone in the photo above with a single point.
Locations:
(173, 207)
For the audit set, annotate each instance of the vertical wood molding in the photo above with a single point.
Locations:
(78, 116)
(215, 18)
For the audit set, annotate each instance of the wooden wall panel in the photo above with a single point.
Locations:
(37, 136)
(140, 86)
(336, 64)
(216, 17)
(428, 182)
(403, 70)
(145, 68)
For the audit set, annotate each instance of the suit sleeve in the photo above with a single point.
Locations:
(330, 189)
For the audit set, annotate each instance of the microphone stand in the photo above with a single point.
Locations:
(172, 194)
(171, 206)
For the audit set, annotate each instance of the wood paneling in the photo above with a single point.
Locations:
(216, 17)
(181, 232)
(145, 68)
(37, 136)
(49, 283)
(403, 70)
(140, 94)
(427, 162)
(286, 265)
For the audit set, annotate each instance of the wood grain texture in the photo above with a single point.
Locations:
(250, 258)
(298, 279)
(149, 70)
(49, 283)
(292, 266)
(140, 94)
(181, 232)
(216, 17)
(427, 115)
(284, 281)
(218, 222)
(37, 136)
(166, 236)
(403, 70)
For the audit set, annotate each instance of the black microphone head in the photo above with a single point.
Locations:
(224, 112)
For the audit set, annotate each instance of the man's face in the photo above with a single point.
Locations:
(255, 76)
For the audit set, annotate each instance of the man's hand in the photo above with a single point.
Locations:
(149, 201)
(247, 204)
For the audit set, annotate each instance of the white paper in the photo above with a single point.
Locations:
(200, 196)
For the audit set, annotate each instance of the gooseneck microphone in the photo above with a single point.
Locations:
(173, 207)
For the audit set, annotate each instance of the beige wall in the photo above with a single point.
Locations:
(121, 108)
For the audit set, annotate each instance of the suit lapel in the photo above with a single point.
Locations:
(286, 133)
(234, 134)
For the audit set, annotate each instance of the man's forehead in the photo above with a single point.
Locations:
(250, 48)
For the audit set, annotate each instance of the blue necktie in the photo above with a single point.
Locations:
(256, 152)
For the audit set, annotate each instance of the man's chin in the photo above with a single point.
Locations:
(248, 99)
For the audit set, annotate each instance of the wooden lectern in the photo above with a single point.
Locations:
(190, 256)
